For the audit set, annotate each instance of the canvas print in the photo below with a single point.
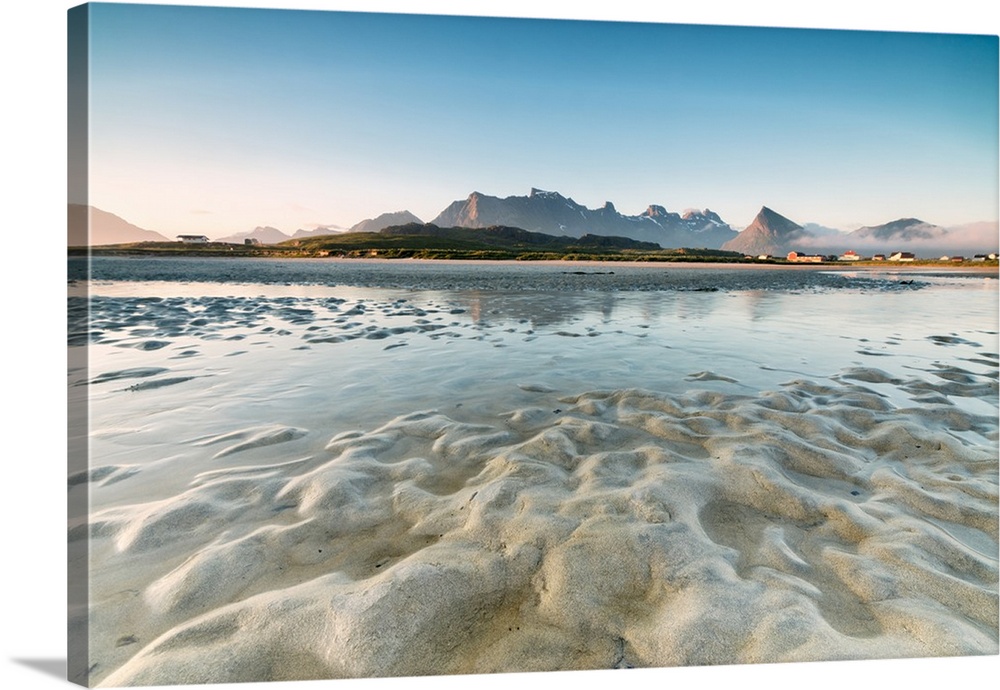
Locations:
(406, 345)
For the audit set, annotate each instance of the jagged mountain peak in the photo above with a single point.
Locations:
(706, 214)
(541, 193)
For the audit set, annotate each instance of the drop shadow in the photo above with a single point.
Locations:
(50, 667)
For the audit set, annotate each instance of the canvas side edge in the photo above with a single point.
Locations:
(78, 531)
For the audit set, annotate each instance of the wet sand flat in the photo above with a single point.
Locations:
(349, 475)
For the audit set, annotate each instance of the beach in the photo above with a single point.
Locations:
(318, 469)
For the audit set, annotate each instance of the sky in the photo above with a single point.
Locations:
(217, 120)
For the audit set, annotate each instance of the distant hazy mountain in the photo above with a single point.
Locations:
(105, 228)
(318, 231)
(264, 235)
(385, 220)
(769, 233)
(902, 230)
(554, 214)
(817, 230)
(926, 239)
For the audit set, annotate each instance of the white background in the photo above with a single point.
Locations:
(32, 368)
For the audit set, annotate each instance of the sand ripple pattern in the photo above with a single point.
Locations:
(627, 528)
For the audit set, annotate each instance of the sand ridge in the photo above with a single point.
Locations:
(623, 528)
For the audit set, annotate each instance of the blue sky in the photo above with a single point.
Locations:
(216, 120)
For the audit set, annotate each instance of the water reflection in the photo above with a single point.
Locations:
(544, 309)
(538, 310)
(760, 304)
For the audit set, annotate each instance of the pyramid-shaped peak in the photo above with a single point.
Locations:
(772, 218)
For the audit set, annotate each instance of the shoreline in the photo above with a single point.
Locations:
(989, 267)
(871, 266)
(506, 276)
(531, 258)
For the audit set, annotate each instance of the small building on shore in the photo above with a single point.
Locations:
(804, 258)
(902, 256)
(193, 239)
(850, 255)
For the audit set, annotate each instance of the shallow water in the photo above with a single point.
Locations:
(492, 275)
(431, 345)
(822, 385)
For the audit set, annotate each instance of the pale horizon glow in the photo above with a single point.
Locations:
(217, 120)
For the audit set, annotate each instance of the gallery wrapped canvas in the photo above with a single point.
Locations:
(412, 345)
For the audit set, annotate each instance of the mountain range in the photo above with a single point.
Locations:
(269, 235)
(773, 234)
(553, 214)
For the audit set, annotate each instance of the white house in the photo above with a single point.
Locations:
(193, 239)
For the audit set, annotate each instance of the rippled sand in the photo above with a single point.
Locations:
(535, 522)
